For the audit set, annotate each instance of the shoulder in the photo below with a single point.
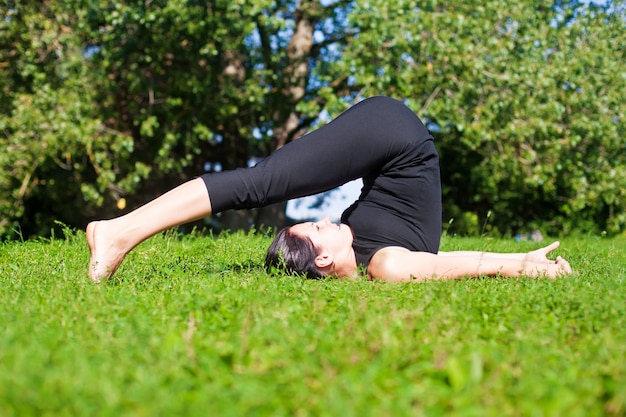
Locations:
(396, 264)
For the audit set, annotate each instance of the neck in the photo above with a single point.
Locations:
(346, 266)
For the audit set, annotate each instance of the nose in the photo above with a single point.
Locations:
(323, 222)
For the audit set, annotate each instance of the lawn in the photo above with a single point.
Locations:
(193, 326)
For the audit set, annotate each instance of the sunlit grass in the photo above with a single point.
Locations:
(194, 326)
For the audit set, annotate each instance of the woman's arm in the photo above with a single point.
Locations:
(398, 264)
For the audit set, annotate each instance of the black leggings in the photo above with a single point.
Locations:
(354, 145)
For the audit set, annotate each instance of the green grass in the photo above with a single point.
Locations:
(194, 326)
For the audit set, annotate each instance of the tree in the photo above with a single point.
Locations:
(52, 136)
(105, 103)
(167, 88)
(526, 99)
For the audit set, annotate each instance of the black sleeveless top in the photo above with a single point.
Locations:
(400, 205)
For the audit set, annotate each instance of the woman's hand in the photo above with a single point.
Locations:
(536, 263)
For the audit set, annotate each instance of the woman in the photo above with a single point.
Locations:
(391, 232)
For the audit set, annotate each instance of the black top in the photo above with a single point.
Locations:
(400, 205)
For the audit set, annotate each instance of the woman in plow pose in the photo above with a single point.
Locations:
(392, 232)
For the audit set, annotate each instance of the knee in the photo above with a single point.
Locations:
(387, 105)
(383, 101)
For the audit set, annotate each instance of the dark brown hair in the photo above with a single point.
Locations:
(294, 254)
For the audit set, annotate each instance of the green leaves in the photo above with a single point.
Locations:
(128, 99)
(521, 105)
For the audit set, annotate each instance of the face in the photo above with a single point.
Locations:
(331, 238)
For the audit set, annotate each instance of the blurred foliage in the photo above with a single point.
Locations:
(104, 101)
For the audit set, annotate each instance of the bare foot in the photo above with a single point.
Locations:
(106, 256)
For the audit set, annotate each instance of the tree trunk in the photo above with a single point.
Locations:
(234, 220)
(271, 217)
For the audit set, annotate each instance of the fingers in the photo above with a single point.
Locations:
(552, 246)
(564, 266)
